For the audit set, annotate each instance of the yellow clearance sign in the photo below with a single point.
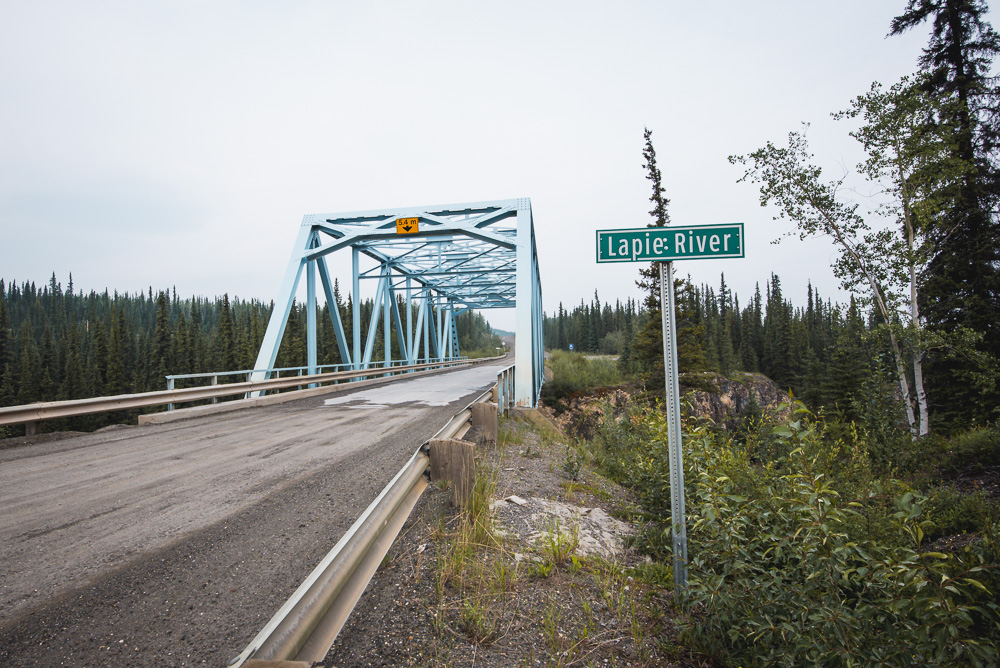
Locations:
(407, 225)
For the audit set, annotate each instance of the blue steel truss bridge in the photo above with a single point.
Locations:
(438, 262)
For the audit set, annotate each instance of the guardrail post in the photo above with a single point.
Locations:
(30, 428)
(454, 460)
(510, 391)
(170, 386)
(486, 418)
(215, 381)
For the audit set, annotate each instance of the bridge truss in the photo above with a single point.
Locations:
(432, 263)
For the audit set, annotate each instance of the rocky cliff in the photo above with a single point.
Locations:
(709, 395)
(724, 399)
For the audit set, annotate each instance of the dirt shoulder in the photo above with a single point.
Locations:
(537, 572)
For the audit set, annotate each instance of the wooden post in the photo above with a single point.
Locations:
(485, 416)
(30, 428)
(454, 460)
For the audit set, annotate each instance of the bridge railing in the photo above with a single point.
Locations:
(298, 371)
(31, 414)
(505, 390)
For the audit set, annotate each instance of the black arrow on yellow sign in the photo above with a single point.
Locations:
(407, 225)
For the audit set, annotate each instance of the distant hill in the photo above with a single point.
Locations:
(501, 332)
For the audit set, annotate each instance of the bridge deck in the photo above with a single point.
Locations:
(194, 530)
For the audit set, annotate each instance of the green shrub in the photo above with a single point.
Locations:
(792, 576)
(975, 449)
(572, 372)
(953, 512)
(573, 462)
(801, 551)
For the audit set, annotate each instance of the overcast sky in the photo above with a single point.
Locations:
(180, 143)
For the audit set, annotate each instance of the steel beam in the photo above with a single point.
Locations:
(268, 352)
(528, 362)
(458, 257)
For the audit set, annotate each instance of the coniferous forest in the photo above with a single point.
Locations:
(818, 350)
(57, 343)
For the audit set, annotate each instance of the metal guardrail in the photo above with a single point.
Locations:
(505, 390)
(305, 627)
(30, 414)
(274, 373)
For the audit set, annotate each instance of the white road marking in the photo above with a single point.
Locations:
(438, 390)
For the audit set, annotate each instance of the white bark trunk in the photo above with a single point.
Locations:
(918, 381)
(917, 344)
(897, 354)
(904, 384)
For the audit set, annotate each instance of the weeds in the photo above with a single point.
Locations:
(477, 622)
(511, 431)
(479, 583)
(504, 574)
(531, 454)
(953, 512)
(541, 569)
(557, 546)
(550, 625)
(573, 462)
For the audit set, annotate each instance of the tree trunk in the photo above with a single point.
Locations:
(904, 384)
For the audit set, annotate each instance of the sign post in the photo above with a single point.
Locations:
(678, 518)
(665, 245)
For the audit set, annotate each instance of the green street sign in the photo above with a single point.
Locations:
(664, 244)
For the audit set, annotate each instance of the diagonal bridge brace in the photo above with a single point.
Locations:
(455, 257)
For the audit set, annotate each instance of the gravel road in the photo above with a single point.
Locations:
(171, 545)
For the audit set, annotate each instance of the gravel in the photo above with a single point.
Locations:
(587, 611)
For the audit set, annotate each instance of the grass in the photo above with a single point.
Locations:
(572, 372)
(557, 545)
(483, 596)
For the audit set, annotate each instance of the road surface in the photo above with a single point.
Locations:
(172, 544)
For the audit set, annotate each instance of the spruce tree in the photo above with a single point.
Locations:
(28, 366)
(647, 349)
(848, 363)
(961, 286)
(116, 377)
(183, 351)
(197, 337)
(72, 381)
(561, 328)
(98, 360)
(6, 338)
(327, 352)
(347, 316)
(690, 329)
(225, 357)
(162, 344)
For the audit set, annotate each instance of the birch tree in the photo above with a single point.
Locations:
(910, 165)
